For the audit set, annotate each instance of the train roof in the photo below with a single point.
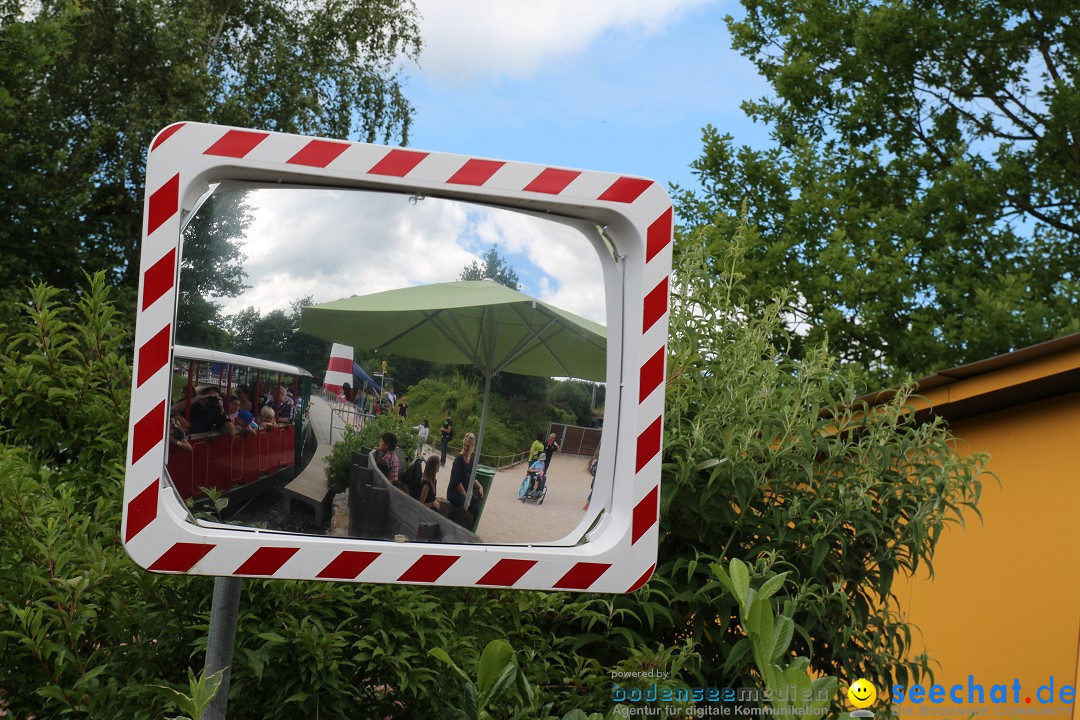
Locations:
(216, 356)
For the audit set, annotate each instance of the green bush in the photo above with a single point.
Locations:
(512, 424)
(84, 633)
(766, 460)
(367, 438)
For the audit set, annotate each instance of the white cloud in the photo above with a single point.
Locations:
(464, 41)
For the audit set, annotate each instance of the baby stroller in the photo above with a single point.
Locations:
(535, 475)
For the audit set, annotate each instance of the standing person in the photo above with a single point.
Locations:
(403, 407)
(422, 432)
(461, 473)
(537, 448)
(286, 408)
(447, 431)
(550, 449)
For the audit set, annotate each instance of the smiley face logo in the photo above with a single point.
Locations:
(862, 693)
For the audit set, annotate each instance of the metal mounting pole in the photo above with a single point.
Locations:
(221, 641)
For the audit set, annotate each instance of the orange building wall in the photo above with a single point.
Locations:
(1005, 599)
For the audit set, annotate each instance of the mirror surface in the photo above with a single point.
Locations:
(273, 294)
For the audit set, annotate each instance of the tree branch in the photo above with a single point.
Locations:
(1024, 204)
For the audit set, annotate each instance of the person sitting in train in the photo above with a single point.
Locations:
(286, 408)
(243, 398)
(267, 421)
(242, 419)
(208, 413)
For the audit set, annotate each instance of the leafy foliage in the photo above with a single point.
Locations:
(64, 381)
(777, 462)
(211, 268)
(499, 681)
(513, 420)
(86, 634)
(752, 471)
(920, 197)
(768, 635)
(276, 336)
(494, 268)
(85, 86)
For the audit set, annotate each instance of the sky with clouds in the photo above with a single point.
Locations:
(332, 244)
(621, 86)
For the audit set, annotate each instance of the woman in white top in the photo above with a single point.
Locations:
(422, 436)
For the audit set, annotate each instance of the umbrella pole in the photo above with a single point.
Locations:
(479, 440)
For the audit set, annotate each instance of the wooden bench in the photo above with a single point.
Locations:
(312, 489)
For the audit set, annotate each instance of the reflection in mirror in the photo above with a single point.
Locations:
(340, 356)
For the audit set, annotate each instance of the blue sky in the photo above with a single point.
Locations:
(615, 85)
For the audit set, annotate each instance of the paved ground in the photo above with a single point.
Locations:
(508, 520)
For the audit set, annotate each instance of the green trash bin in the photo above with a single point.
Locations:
(484, 476)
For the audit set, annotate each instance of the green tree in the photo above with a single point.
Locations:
(574, 397)
(84, 87)
(921, 196)
(494, 268)
(212, 268)
(276, 336)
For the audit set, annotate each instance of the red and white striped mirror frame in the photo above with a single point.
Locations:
(620, 554)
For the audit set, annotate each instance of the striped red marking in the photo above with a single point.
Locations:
(658, 235)
(398, 163)
(652, 375)
(318, 153)
(165, 135)
(163, 204)
(181, 557)
(266, 561)
(159, 278)
(582, 576)
(428, 568)
(339, 364)
(648, 443)
(142, 510)
(552, 181)
(646, 513)
(476, 172)
(148, 432)
(655, 305)
(506, 572)
(153, 355)
(643, 579)
(626, 190)
(348, 565)
(236, 143)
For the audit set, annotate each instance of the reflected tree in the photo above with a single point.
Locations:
(276, 336)
(494, 268)
(211, 268)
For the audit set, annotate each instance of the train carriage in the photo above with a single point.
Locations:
(238, 458)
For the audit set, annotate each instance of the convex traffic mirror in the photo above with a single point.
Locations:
(277, 268)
